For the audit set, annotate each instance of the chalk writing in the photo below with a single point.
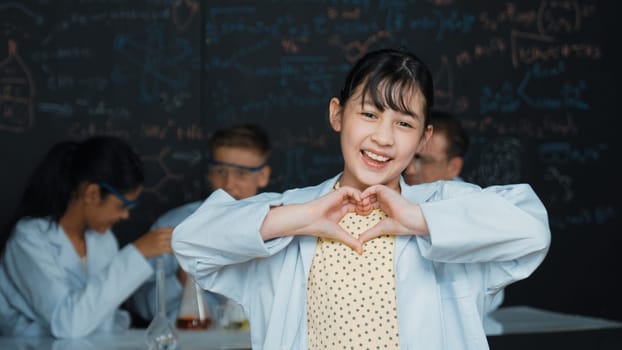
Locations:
(160, 65)
(17, 90)
(158, 165)
(534, 83)
(585, 217)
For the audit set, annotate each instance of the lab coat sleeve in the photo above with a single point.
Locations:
(224, 232)
(72, 313)
(505, 227)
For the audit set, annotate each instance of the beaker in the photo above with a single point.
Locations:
(193, 313)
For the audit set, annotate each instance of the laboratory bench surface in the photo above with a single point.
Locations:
(518, 327)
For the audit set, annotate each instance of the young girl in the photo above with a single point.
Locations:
(61, 271)
(363, 260)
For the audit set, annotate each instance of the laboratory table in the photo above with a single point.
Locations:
(518, 327)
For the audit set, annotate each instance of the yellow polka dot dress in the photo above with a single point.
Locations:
(351, 301)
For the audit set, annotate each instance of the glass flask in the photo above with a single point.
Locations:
(234, 316)
(193, 313)
(161, 335)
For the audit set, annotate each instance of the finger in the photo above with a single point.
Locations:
(373, 199)
(371, 191)
(343, 210)
(367, 206)
(166, 246)
(378, 193)
(375, 231)
(351, 192)
(364, 210)
(349, 240)
(335, 232)
(162, 232)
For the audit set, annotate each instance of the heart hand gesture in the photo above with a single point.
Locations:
(403, 217)
(320, 217)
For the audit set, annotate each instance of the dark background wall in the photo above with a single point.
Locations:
(535, 83)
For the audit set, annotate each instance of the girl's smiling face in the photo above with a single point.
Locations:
(378, 143)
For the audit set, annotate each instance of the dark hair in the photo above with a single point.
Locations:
(67, 165)
(249, 136)
(386, 74)
(457, 138)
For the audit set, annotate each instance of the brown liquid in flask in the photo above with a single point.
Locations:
(193, 313)
(193, 323)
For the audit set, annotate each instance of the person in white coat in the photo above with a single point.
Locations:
(61, 271)
(443, 156)
(364, 260)
(238, 164)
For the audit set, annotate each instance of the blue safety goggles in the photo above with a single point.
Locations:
(128, 204)
(216, 169)
(253, 169)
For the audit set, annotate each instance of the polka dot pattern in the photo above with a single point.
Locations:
(351, 302)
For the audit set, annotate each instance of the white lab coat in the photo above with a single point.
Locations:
(44, 289)
(143, 301)
(480, 241)
(491, 325)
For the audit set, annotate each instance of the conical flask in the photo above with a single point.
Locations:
(234, 316)
(161, 335)
(193, 313)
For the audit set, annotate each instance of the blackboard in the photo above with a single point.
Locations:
(534, 82)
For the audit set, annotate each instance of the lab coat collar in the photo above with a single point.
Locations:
(65, 253)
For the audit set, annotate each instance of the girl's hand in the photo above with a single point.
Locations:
(319, 217)
(404, 217)
(155, 242)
